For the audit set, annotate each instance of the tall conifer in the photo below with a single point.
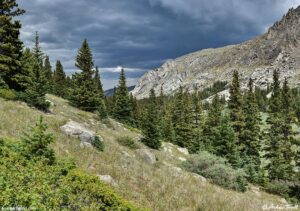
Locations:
(211, 127)
(122, 107)
(36, 81)
(10, 43)
(183, 120)
(84, 94)
(59, 80)
(150, 123)
(48, 74)
(250, 137)
(235, 104)
(99, 83)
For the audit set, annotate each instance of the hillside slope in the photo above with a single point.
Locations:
(159, 186)
(277, 49)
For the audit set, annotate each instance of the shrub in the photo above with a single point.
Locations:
(217, 169)
(286, 189)
(34, 184)
(128, 142)
(36, 143)
(98, 144)
(8, 94)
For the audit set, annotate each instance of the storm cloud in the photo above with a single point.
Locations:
(141, 34)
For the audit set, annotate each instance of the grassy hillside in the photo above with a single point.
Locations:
(162, 186)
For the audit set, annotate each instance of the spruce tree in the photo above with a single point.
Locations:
(150, 124)
(48, 74)
(36, 81)
(235, 104)
(101, 110)
(36, 143)
(250, 136)
(99, 83)
(84, 94)
(279, 133)
(212, 125)
(289, 152)
(183, 120)
(197, 118)
(226, 143)
(136, 115)
(167, 127)
(59, 80)
(122, 107)
(10, 43)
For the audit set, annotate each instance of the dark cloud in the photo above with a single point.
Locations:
(142, 34)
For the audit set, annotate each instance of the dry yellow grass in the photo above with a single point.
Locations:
(159, 186)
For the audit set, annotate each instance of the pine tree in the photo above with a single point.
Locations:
(197, 117)
(161, 100)
(226, 143)
(59, 80)
(183, 120)
(10, 43)
(84, 94)
(99, 83)
(212, 125)
(36, 81)
(37, 51)
(235, 104)
(122, 107)
(102, 110)
(150, 124)
(48, 74)
(136, 115)
(167, 127)
(36, 143)
(279, 133)
(250, 136)
(289, 152)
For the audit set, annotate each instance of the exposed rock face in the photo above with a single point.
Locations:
(147, 155)
(279, 48)
(76, 129)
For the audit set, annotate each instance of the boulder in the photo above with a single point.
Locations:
(76, 129)
(147, 155)
(201, 178)
(108, 180)
(183, 150)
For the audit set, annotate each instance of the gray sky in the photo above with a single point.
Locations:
(141, 34)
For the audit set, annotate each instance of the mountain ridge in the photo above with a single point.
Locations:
(278, 48)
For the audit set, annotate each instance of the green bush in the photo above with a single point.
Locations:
(286, 189)
(128, 142)
(35, 184)
(8, 94)
(217, 169)
(98, 144)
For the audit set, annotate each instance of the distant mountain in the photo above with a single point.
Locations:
(110, 92)
(279, 48)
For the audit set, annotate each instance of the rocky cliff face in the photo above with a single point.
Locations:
(279, 48)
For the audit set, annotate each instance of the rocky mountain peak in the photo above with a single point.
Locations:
(279, 48)
(288, 28)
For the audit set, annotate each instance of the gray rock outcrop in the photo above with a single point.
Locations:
(147, 155)
(78, 130)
